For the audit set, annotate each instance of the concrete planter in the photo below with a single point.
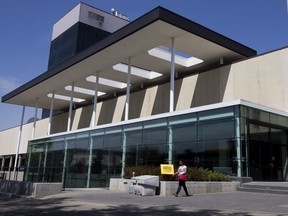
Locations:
(167, 188)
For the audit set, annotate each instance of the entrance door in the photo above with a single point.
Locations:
(270, 164)
(266, 155)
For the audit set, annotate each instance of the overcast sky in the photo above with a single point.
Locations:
(26, 30)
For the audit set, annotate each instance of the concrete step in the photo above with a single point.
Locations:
(265, 187)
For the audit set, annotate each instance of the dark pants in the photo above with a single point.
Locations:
(182, 184)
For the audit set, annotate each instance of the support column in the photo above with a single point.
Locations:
(93, 120)
(238, 148)
(29, 152)
(128, 90)
(70, 108)
(172, 75)
(64, 163)
(170, 145)
(126, 117)
(45, 163)
(90, 162)
(10, 167)
(34, 122)
(19, 160)
(245, 154)
(19, 142)
(3, 163)
(51, 112)
(124, 144)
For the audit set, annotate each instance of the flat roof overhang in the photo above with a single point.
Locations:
(155, 28)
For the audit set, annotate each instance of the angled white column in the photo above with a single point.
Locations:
(93, 120)
(35, 117)
(51, 112)
(70, 108)
(19, 142)
(172, 75)
(128, 90)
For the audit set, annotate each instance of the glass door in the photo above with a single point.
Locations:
(267, 153)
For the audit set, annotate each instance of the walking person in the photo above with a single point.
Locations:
(182, 178)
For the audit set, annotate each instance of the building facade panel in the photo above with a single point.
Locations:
(66, 22)
(262, 80)
(9, 140)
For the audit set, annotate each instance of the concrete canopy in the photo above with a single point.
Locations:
(155, 28)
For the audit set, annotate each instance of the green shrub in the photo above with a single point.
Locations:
(200, 174)
(194, 173)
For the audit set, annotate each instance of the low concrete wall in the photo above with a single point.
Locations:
(45, 189)
(241, 180)
(19, 188)
(168, 188)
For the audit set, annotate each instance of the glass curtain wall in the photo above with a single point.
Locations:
(205, 139)
(77, 160)
(216, 140)
(266, 135)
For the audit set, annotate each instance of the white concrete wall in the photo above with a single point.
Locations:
(110, 24)
(66, 22)
(80, 13)
(263, 80)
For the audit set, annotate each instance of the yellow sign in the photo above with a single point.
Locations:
(167, 169)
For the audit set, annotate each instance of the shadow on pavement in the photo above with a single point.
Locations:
(57, 207)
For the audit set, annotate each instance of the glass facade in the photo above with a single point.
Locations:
(266, 145)
(73, 41)
(224, 139)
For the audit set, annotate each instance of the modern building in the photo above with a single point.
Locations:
(148, 92)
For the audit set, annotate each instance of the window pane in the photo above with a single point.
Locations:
(184, 133)
(216, 114)
(152, 155)
(218, 155)
(216, 130)
(113, 140)
(155, 137)
(155, 123)
(278, 120)
(260, 133)
(182, 119)
(77, 160)
(186, 151)
(134, 138)
(255, 114)
(278, 136)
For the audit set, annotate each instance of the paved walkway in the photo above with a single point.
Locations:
(86, 202)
